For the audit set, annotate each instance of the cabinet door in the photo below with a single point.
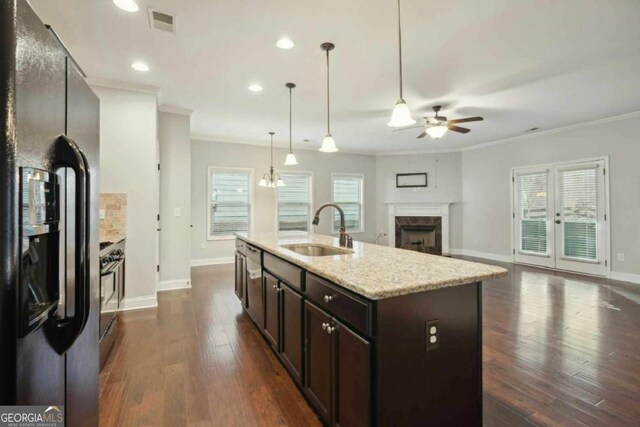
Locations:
(253, 295)
(272, 310)
(291, 330)
(318, 359)
(352, 376)
(239, 285)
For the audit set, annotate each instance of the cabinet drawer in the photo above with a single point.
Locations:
(284, 270)
(253, 253)
(241, 246)
(340, 303)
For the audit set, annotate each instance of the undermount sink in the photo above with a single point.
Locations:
(316, 249)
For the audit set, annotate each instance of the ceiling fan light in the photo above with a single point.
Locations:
(328, 144)
(290, 160)
(437, 132)
(401, 115)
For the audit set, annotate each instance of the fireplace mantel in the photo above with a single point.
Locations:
(420, 209)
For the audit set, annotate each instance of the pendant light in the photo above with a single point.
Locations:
(328, 143)
(401, 115)
(291, 158)
(271, 179)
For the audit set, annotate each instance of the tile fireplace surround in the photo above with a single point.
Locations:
(420, 210)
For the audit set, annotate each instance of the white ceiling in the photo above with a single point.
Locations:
(520, 64)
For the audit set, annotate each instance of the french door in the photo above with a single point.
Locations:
(560, 216)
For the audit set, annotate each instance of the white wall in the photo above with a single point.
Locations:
(486, 185)
(444, 177)
(128, 164)
(175, 194)
(205, 154)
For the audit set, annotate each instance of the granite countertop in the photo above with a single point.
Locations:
(375, 271)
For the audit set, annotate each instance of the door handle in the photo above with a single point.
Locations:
(62, 333)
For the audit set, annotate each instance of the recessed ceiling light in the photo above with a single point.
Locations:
(140, 66)
(255, 88)
(284, 43)
(128, 5)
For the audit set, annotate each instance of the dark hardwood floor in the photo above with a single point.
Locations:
(559, 349)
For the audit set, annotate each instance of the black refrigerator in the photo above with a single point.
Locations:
(49, 207)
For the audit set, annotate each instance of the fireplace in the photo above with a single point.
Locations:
(419, 233)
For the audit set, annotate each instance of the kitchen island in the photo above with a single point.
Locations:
(372, 335)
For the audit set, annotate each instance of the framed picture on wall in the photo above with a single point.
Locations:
(411, 180)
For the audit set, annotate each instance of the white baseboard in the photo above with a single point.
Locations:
(485, 255)
(615, 275)
(212, 261)
(169, 285)
(625, 277)
(136, 303)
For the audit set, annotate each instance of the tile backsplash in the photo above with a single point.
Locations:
(113, 216)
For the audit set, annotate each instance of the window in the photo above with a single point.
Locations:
(294, 202)
(579, 207)
(532, 211)
(348, 193)
(230, 198)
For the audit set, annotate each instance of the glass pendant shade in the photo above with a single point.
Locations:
(290, 160)
(263, 183)
(280, 183)
(401, 115)
(328, 145)
(437, 132)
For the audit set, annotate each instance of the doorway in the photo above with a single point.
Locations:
(560, 216)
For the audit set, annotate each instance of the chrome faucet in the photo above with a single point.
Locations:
(346, 241)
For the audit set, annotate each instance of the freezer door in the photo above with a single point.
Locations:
(83, 126)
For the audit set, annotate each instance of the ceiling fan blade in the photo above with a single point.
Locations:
(422, 135)
(410, 127)
(468, 119)
(458, 129)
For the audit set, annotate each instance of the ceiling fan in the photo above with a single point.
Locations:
(437, 126)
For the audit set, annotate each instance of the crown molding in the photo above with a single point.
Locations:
(554, 131)
(529, 136)
(122, 85)
(205, 138)
(415, 152)
(164, 108)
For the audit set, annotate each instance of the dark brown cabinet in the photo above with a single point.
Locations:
(318, 378)
(338, 370)
(346, 351)
(352, 376)
(272, 310)
(291, 304)
(240, 276)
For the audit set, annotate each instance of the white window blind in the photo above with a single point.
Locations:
(229, 202)
(532, 211)
(348, 194)
(579, 207)
(294, 202)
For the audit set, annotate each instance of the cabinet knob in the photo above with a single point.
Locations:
(328, 298)
(325, 326)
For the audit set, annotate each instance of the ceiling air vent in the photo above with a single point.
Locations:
(162, 21)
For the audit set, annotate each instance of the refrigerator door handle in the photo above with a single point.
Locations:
(62, 332)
